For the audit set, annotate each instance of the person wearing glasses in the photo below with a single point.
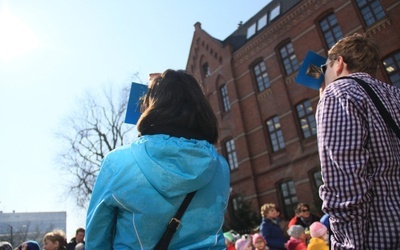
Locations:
(359, 152)
(141, 186)
(303, 216)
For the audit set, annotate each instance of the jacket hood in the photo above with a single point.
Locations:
(175, 166)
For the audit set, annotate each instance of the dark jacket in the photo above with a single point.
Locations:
(72, 244)
(273, 234)
(298, 221)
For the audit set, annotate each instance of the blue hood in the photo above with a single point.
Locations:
(183, 165)
(140, 187)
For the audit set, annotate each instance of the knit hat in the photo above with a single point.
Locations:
(242, 243)
(317, 229)
(229, 236)
(80, 246)
(258, 236)
(295, 231)
(32, 245)
(5, 245)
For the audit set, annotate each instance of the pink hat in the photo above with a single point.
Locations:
(317, 229)
(242, 243)
(258, 236)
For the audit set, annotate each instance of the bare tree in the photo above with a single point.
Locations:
(94, 129)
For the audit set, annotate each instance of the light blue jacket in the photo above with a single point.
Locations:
(140, 187)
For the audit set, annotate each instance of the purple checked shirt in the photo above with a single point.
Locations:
(360, 163)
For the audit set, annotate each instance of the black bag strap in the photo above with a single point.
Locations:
(174, 223)
(378, 103)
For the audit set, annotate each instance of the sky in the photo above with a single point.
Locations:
(53, 51)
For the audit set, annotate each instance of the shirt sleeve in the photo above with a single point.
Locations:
(342, 139)
(101, 216)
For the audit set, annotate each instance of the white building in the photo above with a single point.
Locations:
(19, 227)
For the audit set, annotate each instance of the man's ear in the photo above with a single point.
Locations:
(342, 66)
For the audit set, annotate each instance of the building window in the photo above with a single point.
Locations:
(205, 70)
(275, 134)
(274, 13)
(237, 203)
(260, 73)
(262, 22)
(251, 30)
(331, 30)
(306, 118)
(231, 154)
(289, 197)
(371, 10)
(225, 98)
(316, 182)
(289, 58)
(317, 179)
(392, 66)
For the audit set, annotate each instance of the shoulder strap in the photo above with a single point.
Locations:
(378, 103)
(174, 223)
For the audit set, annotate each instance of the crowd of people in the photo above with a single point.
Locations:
(54, 240)
(305, 231)
(174, 156)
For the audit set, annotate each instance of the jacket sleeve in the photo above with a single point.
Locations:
(102, 211)
(342, 136)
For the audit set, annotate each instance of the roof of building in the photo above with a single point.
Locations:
(239, 37)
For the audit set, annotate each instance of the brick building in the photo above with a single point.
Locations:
(267, 120)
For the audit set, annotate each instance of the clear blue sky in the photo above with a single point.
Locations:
(52, 51)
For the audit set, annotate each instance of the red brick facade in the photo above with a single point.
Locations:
(261, 171)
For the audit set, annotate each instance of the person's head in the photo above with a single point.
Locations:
(55, 240)
(297, 231)
(303, 210)
(351, 54)
(5, 245)
(270, 211)
(79, 235)
(319, 230)
(229, 238)
(176, 100)
(244, 243)
(259, 242)
(29, 245)
(80, 246)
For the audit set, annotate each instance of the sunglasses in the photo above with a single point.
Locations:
(305, 210)
(323, 68)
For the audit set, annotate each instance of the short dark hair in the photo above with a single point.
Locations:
(175, 99)
(79, 230)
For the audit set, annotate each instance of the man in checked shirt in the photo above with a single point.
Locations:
(359, 153)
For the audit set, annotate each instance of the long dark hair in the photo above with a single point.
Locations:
(176, 101)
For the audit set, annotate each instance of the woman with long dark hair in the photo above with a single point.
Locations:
(141, 186)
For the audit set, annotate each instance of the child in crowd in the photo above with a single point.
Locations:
(229, 241)
(259, 242)
(5, 245)
(297, 239)
(319, 237)
(55, 240)
(270, 227)
(29, 245)
(244, 243)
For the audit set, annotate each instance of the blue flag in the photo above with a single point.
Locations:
(310, 74)
(133, 109)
